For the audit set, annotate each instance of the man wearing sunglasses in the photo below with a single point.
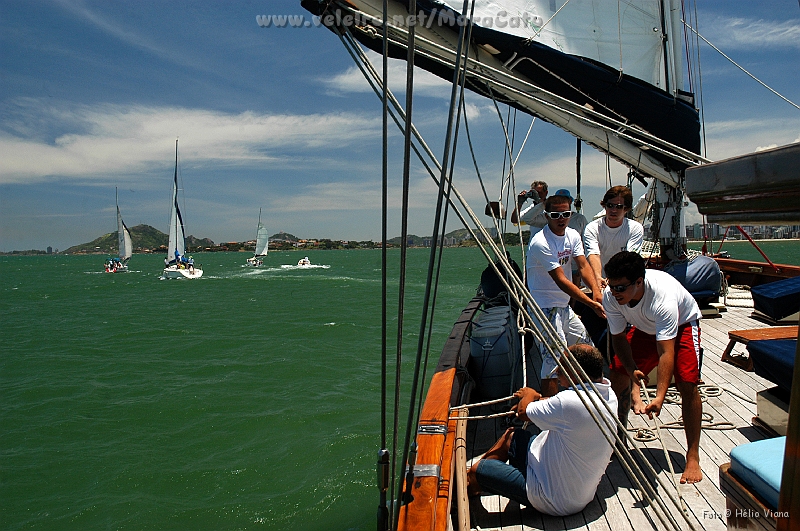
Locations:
(549, 271)
(664, 333)
(612, 233)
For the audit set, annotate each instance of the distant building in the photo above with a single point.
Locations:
(49, 250)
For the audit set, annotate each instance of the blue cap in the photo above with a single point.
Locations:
(564, 192)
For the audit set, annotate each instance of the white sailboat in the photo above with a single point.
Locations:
(120, 263)
(262, 244)
(178, 265)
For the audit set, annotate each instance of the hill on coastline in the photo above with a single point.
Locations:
(146, 239)
(143, 237)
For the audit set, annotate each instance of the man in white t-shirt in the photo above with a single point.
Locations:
(549, 274)
(558, 471)
(612, 233)
(578, 222)
(665, 333)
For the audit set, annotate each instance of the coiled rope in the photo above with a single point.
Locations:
(706, 423)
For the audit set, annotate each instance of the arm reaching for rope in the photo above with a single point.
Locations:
(666, 366)
(526, 395)
(574, 291)
(623, 351)
(587, 274)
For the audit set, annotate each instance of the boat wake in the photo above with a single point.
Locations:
(312, 266)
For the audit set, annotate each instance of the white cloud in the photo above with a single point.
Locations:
(730, 138)
(742, 33)
(122, 139)
(425, 83)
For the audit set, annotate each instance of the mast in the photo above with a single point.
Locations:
(664, 45)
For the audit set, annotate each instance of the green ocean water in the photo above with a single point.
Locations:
(247, 399)
(778, 251)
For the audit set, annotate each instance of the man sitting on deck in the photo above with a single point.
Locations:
(664, 333)
(558, 471)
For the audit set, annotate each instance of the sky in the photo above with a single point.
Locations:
(93, 95)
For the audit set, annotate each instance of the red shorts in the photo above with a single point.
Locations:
(687, 353)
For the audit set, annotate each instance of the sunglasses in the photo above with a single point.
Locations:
(614, 206)
(619, 288)
(557, 215)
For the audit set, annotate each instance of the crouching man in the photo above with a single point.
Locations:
(556, 472)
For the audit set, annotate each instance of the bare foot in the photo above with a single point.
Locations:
(693, 473)
(473, 489)
(499, 450)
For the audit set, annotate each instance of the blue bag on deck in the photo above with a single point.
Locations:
(701, 277)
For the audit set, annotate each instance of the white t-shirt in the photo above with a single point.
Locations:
(599, 238)
(567, 460)
(547, 252)
(665, 306)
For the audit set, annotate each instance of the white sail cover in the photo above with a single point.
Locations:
(262, 241)
(176, 235)
(623, 34)
(124, 237)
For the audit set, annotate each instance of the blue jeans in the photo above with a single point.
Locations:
(508, 479)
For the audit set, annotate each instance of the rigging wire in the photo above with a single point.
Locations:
(617, 127)
(539, 31)
(643, 483)
(740, 67)
(519, 289)
(459, 81)
(384, 460)
(406, 458)
(410, 457)
(699, 90)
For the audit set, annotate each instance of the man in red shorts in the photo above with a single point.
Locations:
(664, 333)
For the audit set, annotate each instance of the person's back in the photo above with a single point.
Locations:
(568, 460)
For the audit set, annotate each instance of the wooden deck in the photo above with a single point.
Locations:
(617, 504)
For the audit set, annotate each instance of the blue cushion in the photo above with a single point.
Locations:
(773, 359)
(760, 465)
(777, 299)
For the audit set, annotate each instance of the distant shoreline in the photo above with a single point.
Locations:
(377, 245)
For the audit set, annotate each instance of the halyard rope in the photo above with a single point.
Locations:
(663, 447)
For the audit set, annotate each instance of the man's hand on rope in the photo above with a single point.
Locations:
(526, 395)
(654, 407)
